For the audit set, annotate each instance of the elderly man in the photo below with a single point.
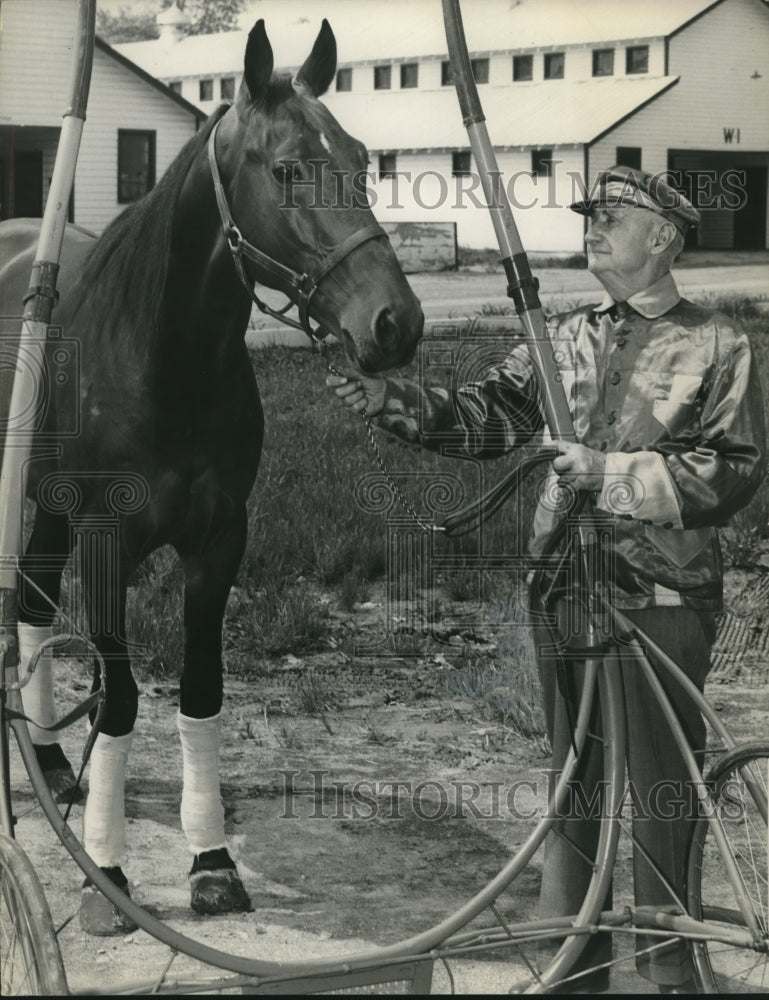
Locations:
(666, 405)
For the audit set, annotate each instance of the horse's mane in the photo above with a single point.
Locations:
(125, 273)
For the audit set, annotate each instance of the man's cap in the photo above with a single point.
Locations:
(624, 187)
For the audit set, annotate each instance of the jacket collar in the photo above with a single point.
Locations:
(651, 302)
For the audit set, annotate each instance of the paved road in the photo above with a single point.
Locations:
(454, 294)
(449, 294)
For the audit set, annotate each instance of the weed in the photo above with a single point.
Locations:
(314, 693)
(352, 590)
(506, 687)
(283, 620)
(463, 585)
(375, 733)
(289, 737)
(255, 732)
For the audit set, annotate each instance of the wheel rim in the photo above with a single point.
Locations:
(741, 787)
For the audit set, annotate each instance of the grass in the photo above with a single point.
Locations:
(313, 545)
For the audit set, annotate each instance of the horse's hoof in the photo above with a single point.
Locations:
(63, 785)
(100, 917)
(218, 891)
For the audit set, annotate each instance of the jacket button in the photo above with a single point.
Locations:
(614, 378)
(668, 524)
(626, 517)
(611, 417)
(603, 445)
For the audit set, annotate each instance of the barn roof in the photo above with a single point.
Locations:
(555, 113)
(377, 30)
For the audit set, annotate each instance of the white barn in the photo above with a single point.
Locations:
(568, 88)
(134, 128)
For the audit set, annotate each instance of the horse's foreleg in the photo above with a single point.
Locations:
(39, 595)
(214, 882)
(104, 817)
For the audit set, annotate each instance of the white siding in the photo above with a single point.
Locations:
(715, 58)
(431, 194)
(36, 62)
(121, 101)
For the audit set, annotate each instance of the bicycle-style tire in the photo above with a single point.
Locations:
(30, 960)
(721, 967)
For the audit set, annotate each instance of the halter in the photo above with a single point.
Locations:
(303, 285)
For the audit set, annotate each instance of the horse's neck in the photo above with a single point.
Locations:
(203, 286)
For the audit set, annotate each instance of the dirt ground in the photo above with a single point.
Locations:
(360, 824)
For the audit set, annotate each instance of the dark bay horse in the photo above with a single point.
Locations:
(162, 442)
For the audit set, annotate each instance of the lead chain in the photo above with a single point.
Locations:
(398, 493)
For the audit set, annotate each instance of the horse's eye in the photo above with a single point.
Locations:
(286, 172)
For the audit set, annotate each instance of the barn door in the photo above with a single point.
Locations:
(750, 219)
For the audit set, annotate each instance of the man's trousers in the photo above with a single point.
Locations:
(663, 801)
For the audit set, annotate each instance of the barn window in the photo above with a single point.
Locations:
(344, 78)
(603, 62)
(554, 65)
(206, 90)
(637, 59)
(382, 77)
(460, 163)
(227, 88)
(135, 164)
(542, 162)
(387, 165)
(175, 86)
(409, 75)
(523, 68)
(447, 75)
(480, 68)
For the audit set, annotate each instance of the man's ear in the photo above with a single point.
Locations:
(664, 237)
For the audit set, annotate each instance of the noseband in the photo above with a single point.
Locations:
(302, 286)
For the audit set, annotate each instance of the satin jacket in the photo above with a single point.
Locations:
(668, 390)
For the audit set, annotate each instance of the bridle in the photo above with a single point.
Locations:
(302, 287)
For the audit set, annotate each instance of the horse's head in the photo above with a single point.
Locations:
(295, 183)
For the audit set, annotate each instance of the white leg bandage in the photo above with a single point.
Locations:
(104, 818)
(202, 810)
(37, 696)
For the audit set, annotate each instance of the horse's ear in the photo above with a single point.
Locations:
(258, 62)
(320, 66)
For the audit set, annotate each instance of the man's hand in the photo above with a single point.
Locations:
(359, 392)
(580, 466)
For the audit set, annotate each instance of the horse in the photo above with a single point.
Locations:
(163, 439)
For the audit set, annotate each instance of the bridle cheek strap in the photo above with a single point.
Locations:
(301, 287)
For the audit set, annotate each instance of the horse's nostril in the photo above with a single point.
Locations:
(386, 331)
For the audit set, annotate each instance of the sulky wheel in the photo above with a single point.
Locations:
(30, 960)
(739, 782)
